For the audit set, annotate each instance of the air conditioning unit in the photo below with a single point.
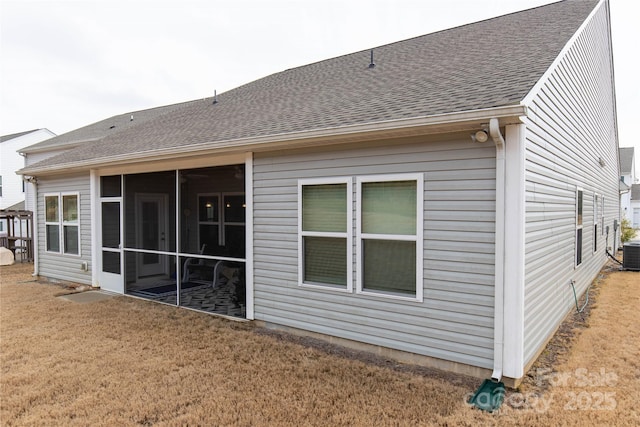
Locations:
(631, 256)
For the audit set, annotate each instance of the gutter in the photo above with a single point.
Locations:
(439, 123)
(498, 316)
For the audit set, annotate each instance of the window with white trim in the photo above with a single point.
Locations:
(62, 223)
(209, 221)
(579, 214)
(389, 235)
(602, 215)
(221, 223)
(324, 238)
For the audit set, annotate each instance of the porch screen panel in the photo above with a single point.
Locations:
(111, 225)
(150, 211)
(111, 262)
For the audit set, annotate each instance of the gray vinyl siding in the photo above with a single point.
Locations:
(63, 266)
(455, 321)
(571, 126)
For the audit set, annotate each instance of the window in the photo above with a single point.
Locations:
(389, 233)
(222, 234)
(602, 215)
(325, 224)
(579, 210)
(62, 223)
(0, 185)
(233, 221)
(209, 222)
(596, 202)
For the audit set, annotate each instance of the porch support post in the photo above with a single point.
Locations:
(248, 184)
(96, 260)
(514, 279)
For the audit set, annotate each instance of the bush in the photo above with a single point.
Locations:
(626, 231)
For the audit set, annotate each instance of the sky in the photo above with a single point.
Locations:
(65, 64)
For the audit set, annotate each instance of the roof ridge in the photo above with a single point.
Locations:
(4, 138)
(384, 45)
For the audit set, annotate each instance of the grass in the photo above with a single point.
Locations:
(125, 361)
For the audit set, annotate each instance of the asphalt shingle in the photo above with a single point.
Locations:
(490, 63)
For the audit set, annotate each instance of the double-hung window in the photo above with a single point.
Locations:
(389, 235)
(62, 223)
(579, 215)
(325, 224)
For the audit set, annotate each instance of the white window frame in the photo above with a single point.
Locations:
(348, 234)
(210, 223)
(418, 237)
(61, 223)
(579, 226)
(224, 221)
(602, 215)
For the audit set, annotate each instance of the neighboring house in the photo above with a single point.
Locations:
(12, 187)
(436, 204)
(634, 208)
(34, 153)
(627, 179)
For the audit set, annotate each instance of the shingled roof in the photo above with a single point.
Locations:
(4, 138)
(491, 63)
(102, 129)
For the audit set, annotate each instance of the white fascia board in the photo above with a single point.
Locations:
(440, 123)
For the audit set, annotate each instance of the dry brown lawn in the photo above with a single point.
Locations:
(125, 361)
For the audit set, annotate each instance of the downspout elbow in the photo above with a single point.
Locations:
(494, 131)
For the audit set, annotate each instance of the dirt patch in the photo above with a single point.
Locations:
(558, 348)
(125, 361)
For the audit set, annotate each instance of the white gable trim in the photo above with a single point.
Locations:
(535, 90)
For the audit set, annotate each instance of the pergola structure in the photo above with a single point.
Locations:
(19, 234)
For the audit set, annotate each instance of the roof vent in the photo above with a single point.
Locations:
(371, 63)
(131, 118)
(112, 126)
(215, 97)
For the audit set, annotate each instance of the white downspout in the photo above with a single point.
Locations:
(35, 243)
(498, 316)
